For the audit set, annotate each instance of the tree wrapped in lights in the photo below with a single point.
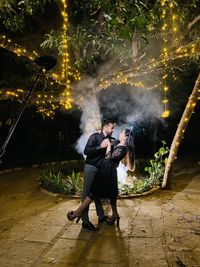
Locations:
(180, 132)
(120, 35)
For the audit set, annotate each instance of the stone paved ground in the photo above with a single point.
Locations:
(158, 230)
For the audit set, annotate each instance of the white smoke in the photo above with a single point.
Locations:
(136, 106)
(87, 98)
(148, 107)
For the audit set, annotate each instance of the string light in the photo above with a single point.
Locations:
(192, 48)
(164, 55)
(174, 25)
(126, 77)
(14, 47)
(67, 72)
(47, 110)
(66, 100)
(20, 51)
(18, 94)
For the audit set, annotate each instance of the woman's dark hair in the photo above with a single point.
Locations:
(131, 148)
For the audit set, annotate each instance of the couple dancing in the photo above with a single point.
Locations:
(100, 173)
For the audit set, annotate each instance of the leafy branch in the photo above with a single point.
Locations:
(13, 13)
(155, 172)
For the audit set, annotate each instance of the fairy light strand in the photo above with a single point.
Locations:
(164, 55)
(66, 100)
(14, 47)
(125, 77)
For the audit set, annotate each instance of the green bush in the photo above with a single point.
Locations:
(155, 172)
(157, 165)
(137, 187)
(56, 182)
(53, 182)
(74, 183)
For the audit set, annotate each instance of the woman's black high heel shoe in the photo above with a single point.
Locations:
(71, 216)
(112, 220)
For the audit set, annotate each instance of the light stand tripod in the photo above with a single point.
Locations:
(47, 62)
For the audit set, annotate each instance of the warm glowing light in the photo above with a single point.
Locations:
(66, 101)
(14, 47)
(165, 101)
(166, 114)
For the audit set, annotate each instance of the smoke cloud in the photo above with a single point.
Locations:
(86, 95)
(128, 106)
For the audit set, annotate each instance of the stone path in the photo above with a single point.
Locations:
(158, 230)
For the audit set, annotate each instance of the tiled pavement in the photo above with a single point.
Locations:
(162, 229)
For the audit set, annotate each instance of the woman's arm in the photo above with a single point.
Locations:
(108, 150)
(117, 154)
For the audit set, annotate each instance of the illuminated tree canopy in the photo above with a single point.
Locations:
(130, 39)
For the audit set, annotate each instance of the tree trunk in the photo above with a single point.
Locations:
(135, 45)
(180, 132)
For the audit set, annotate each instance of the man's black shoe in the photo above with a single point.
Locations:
(102, 219)
(89, 226)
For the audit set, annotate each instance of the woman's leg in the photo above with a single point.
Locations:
(115, 216)
(113, 202)
(86, 202)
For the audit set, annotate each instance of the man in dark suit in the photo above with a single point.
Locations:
(95, 150)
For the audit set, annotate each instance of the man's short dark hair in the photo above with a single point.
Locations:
(106, 122)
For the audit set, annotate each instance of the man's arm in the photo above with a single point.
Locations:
(91, 146)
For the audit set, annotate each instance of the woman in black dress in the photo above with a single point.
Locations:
(105, 183)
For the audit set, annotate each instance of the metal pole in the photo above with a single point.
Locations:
(13, 126)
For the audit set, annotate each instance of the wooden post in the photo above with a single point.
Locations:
(180, 132)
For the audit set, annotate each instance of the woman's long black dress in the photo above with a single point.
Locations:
(105, 182)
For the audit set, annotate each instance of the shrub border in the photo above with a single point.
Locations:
(149, 192)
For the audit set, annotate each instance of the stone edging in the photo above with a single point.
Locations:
(151, 191)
